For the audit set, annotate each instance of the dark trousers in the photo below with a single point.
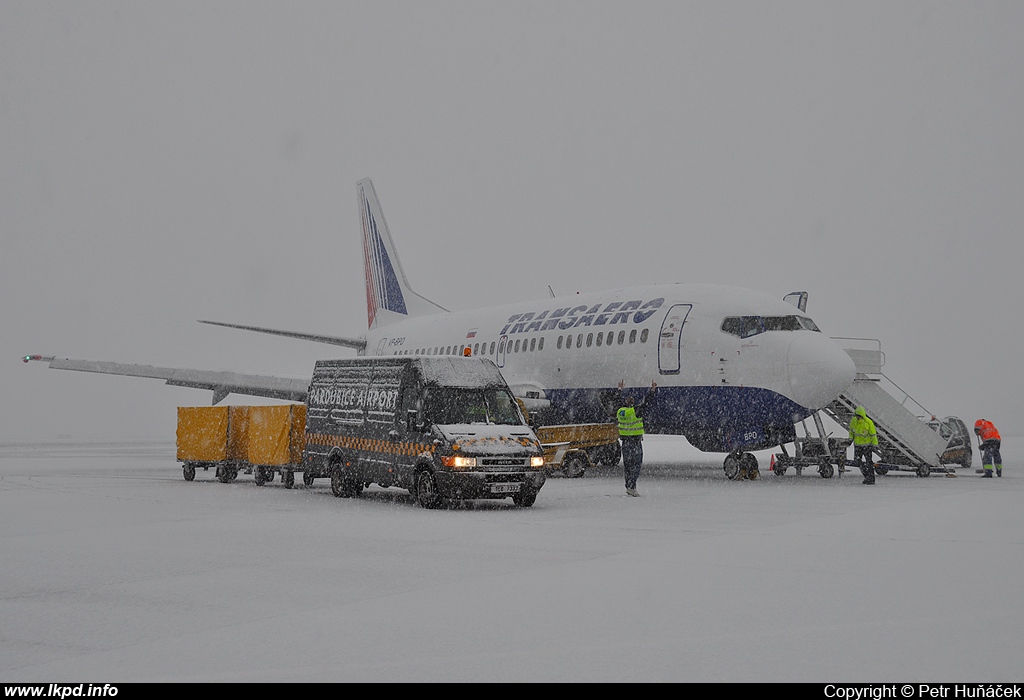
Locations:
(862, 455)
(632, 458)
(990, 453)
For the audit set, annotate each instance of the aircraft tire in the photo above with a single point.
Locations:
(749, 463)
(731, 466)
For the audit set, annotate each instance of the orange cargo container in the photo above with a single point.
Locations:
(263, 439)
(210, 436)
(202, 433)
(276, 435)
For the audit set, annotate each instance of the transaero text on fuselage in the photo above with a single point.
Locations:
(575, 316)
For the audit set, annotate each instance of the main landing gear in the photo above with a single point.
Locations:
(741, 465)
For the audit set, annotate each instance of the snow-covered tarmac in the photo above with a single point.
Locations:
(113, 568)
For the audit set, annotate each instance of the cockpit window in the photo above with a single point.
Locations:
(747, 326)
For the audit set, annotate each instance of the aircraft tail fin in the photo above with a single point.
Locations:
(389, 297)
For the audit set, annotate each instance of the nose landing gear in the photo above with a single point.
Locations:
(741, 465)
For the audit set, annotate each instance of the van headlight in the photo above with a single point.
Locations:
(536, 462)
(456, 462)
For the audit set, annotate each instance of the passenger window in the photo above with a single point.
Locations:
(568, 341)
(611, 337)
(599, 336)
(492, 347)
(643, 335)
(517, 346)
(579, 341)
(540, 344)
(590, 339)
(533, 344)
(632, 336)
(622, 337)
(558, 343)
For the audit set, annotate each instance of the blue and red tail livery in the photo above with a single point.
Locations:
(388, 296)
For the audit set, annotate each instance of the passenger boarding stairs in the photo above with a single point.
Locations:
(905, 441)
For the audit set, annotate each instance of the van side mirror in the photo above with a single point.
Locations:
(412, 424)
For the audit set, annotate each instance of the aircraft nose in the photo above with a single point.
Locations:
(819, 370)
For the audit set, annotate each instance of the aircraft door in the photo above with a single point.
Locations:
(380, 346)
(670, 339)
(500, 359)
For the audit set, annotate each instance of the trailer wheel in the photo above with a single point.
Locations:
(574, 465)
(426, 492)
(779, 471)
(288, 478)
(525, 498)
(189, 471)
(259, 476)
(226, 474)
(307, 479)
(826, 470)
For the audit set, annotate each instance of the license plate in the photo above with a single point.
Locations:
(505, 488)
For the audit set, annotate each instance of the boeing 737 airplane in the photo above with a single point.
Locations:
(736, 369)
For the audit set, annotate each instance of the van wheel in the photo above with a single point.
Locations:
(573, 465)
(525, 498)
(189, 471)
(342, 484)
(427, 494)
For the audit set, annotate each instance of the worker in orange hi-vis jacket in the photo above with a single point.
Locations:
(990, 442)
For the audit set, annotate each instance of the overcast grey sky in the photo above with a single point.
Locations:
(165, 162)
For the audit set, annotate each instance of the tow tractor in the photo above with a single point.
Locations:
(572, 449)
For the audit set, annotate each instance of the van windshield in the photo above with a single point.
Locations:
(451, 406)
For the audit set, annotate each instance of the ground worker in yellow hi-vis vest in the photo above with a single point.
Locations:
(631, 434)
(865, 441)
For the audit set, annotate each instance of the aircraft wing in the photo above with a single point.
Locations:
(357, 343)
(220, 383)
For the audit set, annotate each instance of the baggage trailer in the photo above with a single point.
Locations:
(572, 449)
(819, 453)
(261, 440)
(212, 436)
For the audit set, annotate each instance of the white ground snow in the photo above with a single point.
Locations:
(116, 569)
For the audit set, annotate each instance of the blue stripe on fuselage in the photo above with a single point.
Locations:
(713, 418)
